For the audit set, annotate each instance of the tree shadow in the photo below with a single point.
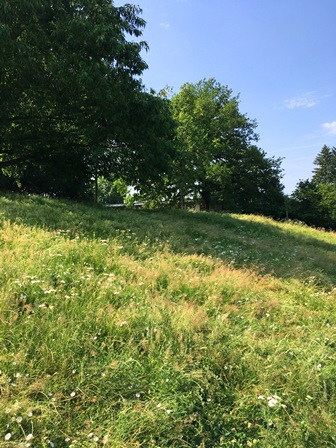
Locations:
(264, 246)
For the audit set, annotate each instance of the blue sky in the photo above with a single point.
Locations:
(279, 55)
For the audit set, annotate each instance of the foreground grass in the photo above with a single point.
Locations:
(164, 329)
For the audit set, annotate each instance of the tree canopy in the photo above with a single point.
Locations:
(325, 171)
(216, 155)
(314, 201)
(71, 97)
(74, 110)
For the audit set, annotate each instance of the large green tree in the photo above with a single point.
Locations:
(71, 97)
(325, 161)
(314, 201)
(217, 158)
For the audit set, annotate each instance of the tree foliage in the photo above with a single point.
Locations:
(72, 102)
(325, 171)
(112, 192)
(74, 110)
(216, 157)
(314, 201)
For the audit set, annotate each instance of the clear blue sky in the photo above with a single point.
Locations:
(279, 55)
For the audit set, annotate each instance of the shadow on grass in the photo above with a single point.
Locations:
(261, 245)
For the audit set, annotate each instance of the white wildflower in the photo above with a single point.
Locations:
(273, 400)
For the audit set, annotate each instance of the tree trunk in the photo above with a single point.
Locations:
(206, 197)
(182, 189)
(96, 187)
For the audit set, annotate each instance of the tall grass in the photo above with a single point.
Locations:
(135, 328)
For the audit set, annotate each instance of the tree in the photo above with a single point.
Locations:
(71, 97)
(146, 150)
(326, 166)
(307, 205)
(216, 158)
(314, 201)
(248, 183)
(112, 192)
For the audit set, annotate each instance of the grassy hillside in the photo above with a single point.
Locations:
(135, 328)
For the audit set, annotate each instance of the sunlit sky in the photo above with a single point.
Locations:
(279, 55)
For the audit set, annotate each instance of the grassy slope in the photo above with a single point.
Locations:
(130, 328)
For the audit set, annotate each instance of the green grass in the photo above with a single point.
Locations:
(138, 328)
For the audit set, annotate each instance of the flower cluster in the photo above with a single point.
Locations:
(272, 400)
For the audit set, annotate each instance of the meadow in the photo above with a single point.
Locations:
(164, 328)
